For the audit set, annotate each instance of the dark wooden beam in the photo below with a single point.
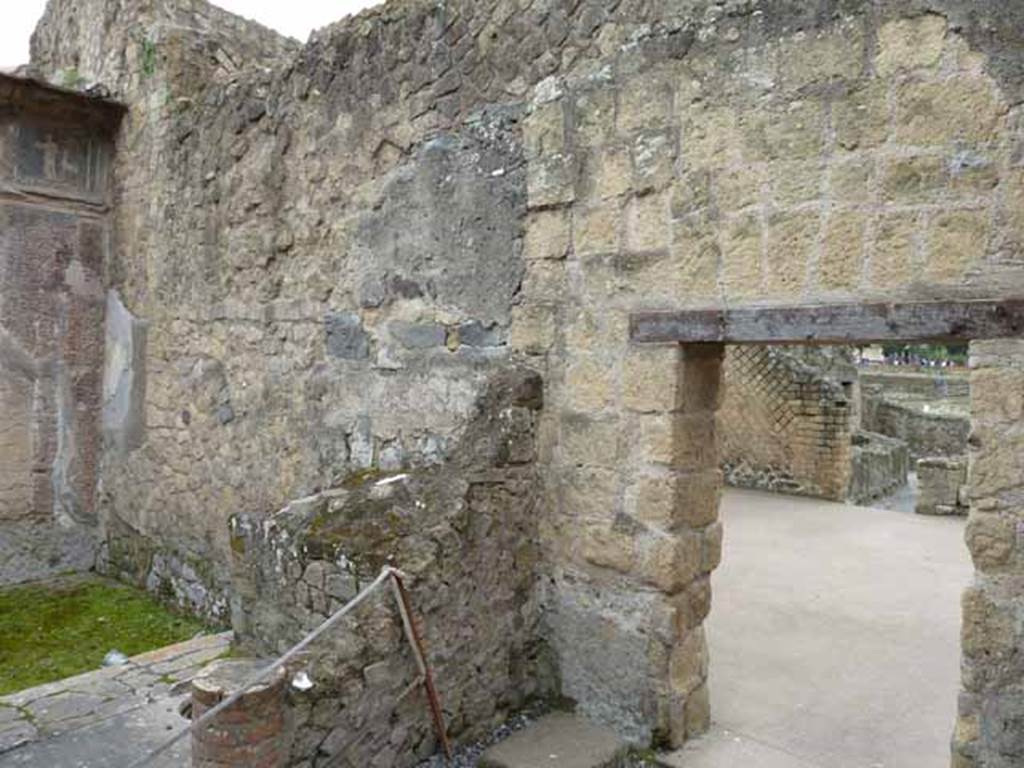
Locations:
(938, 321)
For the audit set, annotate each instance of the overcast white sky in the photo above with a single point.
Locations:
(296, 18)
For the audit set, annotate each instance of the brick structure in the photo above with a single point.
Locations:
(786, 425)
(339, 247)
(254, 731)
(55, 151)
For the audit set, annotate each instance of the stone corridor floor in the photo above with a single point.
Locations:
(834, 637)
(106, 718)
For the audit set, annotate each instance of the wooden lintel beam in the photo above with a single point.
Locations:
(938, 321)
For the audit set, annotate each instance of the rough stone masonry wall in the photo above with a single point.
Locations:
(784, 425)
(467, 541)
(279, 223)
(55, 153)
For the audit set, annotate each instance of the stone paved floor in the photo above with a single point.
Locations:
(834, 637)
(104, 719)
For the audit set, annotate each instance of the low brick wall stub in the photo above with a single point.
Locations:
(252, 733)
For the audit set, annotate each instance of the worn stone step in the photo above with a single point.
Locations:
(558, 740)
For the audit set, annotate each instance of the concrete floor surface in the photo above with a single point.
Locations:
(834, 637)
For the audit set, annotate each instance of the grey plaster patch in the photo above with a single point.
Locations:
(124, 377)
(603, 641)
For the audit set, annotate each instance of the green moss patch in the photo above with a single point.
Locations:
(59, 629)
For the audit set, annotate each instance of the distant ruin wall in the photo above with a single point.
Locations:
(55, 153)
(784, 425)
(929, 412)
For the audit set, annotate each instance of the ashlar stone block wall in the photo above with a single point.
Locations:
(863, 154)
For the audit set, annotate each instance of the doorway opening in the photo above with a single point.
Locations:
(867, 660)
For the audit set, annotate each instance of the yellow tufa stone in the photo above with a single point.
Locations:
(906, 44)
(741, 257)
(940, 113)
(547, 235)
(649, 378)
(792, 240)
(842, 258)
(892, 257)
(957, 241)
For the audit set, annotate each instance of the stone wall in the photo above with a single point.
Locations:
(337, 246)
(55, 150)
(880, 466)
(929, 411)
(467, 541)
(789, 153)
(942, 486)
(786, 425)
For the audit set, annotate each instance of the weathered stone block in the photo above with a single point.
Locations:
(692, 194)
(590, 492)
(792, 239)
(742, 253)
(700, 388)
(820, 57)
(654, 501)
(587, 441)
(594, 116)
(533, 328)
(688, 664)
(551, 181)
(957, 242)
(544, 130)
(697, 498)
(654, 160)
(738, 188)
(603, 546)
(644, 104)
(650, 379)
(850, 180)
(997, 396)
(711, 136)
(795, 181)
(905, 44)
(670, 562)
(547, 235)
(711, 556)
(991, 539)
(988, 626)
(861, 117)
(596, 230)
(613, 172)
(418, 335)
(545, 281)
(916, 179)
(346, 337)
(842, 257)
(589, 384)
(647, 223)
(929, 113)
(892, 258)
(695, 257)
(796, 129)
(696, 441)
